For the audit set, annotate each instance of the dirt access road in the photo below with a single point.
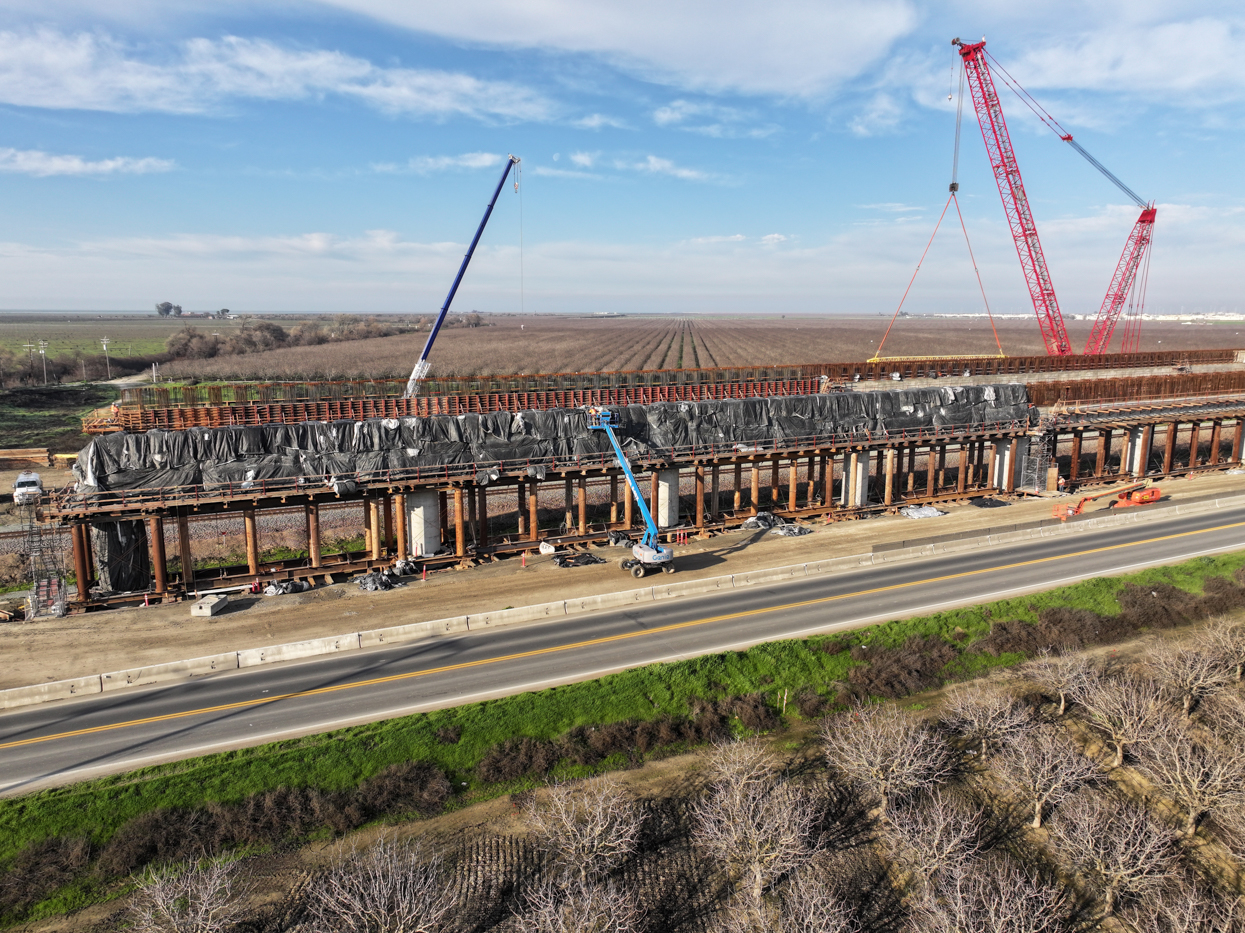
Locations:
(120, 639)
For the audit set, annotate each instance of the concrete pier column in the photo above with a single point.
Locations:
(811, 489)
(654, 482)
(930, 471)
(1104, 451)
(460, 536)
(859, 492)
(942, 465)
(715, 482)
(849, 479)
(1074, 469)
(184, 555)
(961, 476)
(387, 505)
(739, 483)
(1195, 430)
(1216, 438)
(375, 517)
(667, 511)
(613, 498)
(81, 540)
(888, 488)
(533, 509)
(159, 569)
(521, 509)
(628, 507)
(252, 541)
(313, 533)
(1237, 437)
(774, 495)
(700, 495)
(582, 504)
(1169, 446)
(1009, 453)
(992, 465)
(756, 489)
(423, 511)
(568, 499)
(793, 479)
(482, 535)
(824, 478)
(445, 516)
(1138, 451)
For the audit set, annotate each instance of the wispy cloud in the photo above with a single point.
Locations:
(655, 165)
(597, 121)
(424, 165)
(43, 164)
(585, 159)
(733, 238)
(91, 71)
(550, 172)
(891, 207)
(710, 119)
(773, 239)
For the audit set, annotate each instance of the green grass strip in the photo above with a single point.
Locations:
(340, 760)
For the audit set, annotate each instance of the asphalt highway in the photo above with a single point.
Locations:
(59, 742)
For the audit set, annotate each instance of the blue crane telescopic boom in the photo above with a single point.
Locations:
(421, 367)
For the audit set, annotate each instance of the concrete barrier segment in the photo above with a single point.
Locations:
(537, 613)
(169, 673)
(397, 634)
(300, 649)
(56, 690)
(692, 587)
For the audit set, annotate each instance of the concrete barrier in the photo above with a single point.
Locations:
(42, 693)
(609, 600)
(299, 649)
(396, 635)
(692, 587)
(538, 613)
(169, 673)
(773, 575)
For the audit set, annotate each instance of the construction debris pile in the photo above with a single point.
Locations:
(343, 451)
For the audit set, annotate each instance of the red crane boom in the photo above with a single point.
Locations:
(1015, 201)
(1121, 284)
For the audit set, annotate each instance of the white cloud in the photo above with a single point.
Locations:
(423, 165)
(597, 120)
(585, 159)
(789, 48)
(43, 164)
(773, 239)
(881, 115)
(733, 238)
(45, 68)
(711, 119)
(548, 172)
(654, 165)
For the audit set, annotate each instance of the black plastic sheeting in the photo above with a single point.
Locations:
(340, 451)
(121, 556)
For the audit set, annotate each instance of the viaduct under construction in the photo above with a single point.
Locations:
(475, 469)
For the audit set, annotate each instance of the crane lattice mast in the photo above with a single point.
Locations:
(1015, 201)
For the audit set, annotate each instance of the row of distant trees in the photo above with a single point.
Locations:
(191, 343)
(168, 309)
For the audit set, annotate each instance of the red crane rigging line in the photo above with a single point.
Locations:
(914, 273)
(977, 272)
(1136, 308)
(1015, 201)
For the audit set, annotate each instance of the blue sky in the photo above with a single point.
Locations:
(744, 158)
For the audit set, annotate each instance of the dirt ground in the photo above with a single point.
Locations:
(120, 639)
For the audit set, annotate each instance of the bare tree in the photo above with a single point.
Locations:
(1125, 708)
(1115, 847)
(1224, 715)
(891, 752)
(1189, 676)
(754, 822)
(579, 907)
(807, 904)
(1044, 768)
(1060, 674)
(393, 887)
(990, 897)
(590, 827)
(984, 717)
(203, 898)
(1198, 777)
(1225, 638)
(931, 834)
(1184, 909)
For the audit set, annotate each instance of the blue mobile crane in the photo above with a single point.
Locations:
(648, 554)
(421, 366)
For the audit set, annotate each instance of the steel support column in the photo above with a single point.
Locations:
(700, 495)
(1216, 438)
(155, 534)
(252, 541)
(460, 536)
(313, 533)
(80, 536)
(961, 477)
(888, 490)
(582, 504)
(184, 555)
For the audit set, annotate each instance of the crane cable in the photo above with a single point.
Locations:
(953, 188)
(518, 189)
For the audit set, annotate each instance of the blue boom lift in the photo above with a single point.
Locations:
(421, 367)
(648, 554)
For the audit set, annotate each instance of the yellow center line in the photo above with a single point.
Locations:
(604, 640)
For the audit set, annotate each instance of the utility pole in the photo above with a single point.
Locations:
(43, 353)
(107, 363)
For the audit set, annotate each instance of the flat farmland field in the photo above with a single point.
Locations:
(564, 343)
(129, 334)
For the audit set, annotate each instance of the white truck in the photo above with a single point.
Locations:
(27, 489)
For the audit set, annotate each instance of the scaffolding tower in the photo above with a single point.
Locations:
(47, 571)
